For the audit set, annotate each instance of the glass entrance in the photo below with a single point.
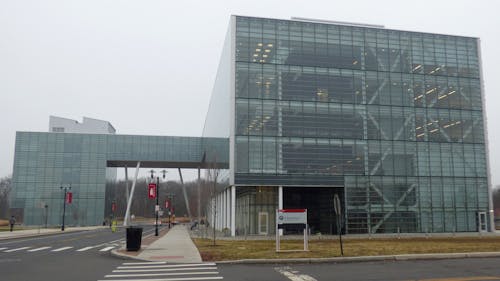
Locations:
(263, 223)
(481, 221)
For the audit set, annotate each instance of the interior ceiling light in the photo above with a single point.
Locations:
(420, 135)
(269, 45)
(267, 50)
(434, 130)
(417, 67)
(257, 50)
(430, 91)
(437, 68)
(355, 62)
(259, 44)
(264, 56)
(255, 55)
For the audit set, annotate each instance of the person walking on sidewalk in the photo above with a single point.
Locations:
(12, 221)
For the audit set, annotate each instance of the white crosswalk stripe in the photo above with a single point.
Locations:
(105, 249)
(86, 249)
(61, 249)
(161, 271)
(16, 249)
(39, 249)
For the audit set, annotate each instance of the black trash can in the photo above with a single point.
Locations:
(134, 237)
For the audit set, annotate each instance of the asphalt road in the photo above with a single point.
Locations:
(77, 256)
(85, 256)
(424, 270)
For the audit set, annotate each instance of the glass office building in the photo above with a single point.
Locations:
(391, 121)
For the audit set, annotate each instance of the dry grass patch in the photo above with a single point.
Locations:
(258, 249)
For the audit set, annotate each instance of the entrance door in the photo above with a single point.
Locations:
(263, 223)
(481, 221)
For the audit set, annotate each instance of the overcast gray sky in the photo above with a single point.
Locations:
(148, 67)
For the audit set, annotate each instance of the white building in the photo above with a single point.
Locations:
(87, 126)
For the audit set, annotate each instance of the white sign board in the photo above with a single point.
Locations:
(292, 216)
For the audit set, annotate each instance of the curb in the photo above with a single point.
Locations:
(117, 254)
(42, 234)
(438, 256)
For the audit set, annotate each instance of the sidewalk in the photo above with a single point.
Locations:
(4, 235)
(175, 246)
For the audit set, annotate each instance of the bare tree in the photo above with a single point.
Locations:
(5, 188)
(213, 175)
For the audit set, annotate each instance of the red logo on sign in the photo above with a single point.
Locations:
(69, 197)
(152, 190)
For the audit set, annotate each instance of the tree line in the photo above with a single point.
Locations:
(143, 206)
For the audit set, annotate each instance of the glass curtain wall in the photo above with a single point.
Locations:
(44, 162)
(396, 115)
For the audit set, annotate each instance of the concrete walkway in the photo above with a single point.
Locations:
(42, 231)
(175, 247)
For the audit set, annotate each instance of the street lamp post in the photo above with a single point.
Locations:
(46, 214)
(65, 189)
(157, 207)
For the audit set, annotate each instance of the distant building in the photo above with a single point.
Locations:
(88, 126)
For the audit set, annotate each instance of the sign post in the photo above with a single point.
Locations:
(291, 217)
(338, 212)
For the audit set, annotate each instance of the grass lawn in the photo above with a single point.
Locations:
(16, 227)
(257, 249)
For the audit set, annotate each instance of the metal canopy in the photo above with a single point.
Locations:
(165, 164)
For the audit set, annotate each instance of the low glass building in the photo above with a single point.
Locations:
(46, 161)
(391, 121)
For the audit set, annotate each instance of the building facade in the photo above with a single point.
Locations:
(46, 161)
(391, 121)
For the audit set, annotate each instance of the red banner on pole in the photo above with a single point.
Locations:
(69, 197)
(152, 190)
(167, 204)
(113, 207)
